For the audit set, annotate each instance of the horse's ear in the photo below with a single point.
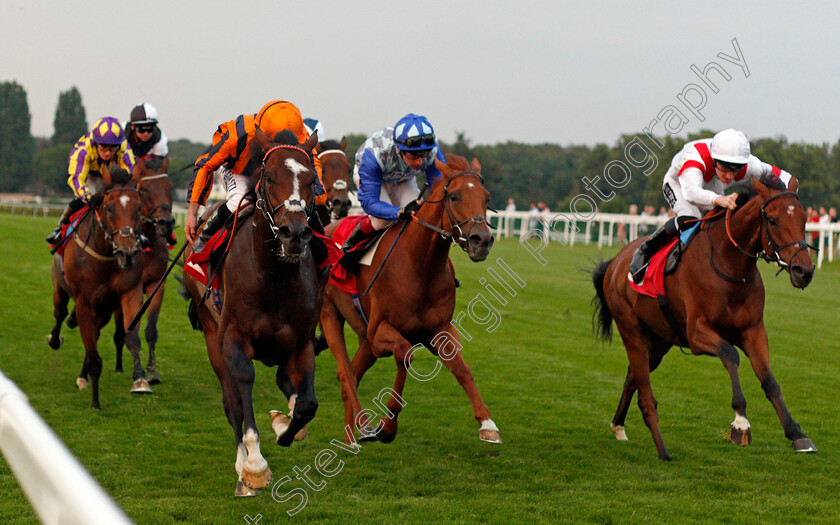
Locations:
(137, 171)
(475, 165)
(261, 138)
(106, 174)
(319, 148)
(343, 145)
(444, 169)
(311, 142)
(793, 185)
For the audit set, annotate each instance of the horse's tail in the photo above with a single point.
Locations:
(603, 327)
(192, 311)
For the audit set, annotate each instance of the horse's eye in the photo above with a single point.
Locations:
(453, 197)
(772, 221)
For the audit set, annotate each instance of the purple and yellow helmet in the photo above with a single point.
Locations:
(108, 130)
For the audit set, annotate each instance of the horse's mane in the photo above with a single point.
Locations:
(119, 176)
(330, 144)
(746, 191)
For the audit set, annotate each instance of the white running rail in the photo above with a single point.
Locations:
(59, 489)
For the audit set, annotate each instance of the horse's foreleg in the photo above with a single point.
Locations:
(255, 473)
(301, 371)
(131, 303)
(757, 349)
(389, 341)
(60, 300)
(447, 347)
(151, 333)
(89, 325)
(119, 339)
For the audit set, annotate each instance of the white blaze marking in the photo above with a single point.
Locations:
(790, 209)
(296, 168)
(124, 200)
(470, 185)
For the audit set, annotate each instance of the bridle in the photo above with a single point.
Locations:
(774, 255)
(264, 200)
(455, 233)
(149, 218)
(339, 184)
(125, 231)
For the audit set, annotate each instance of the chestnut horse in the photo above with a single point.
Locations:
(412, 299)
(336, 169)
(271, 299)
(155, 190)
(716, 297)
(102, 270)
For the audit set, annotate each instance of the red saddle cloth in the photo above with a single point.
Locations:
(339, 276)
(70, 228)
(196, 264)
(654, 283)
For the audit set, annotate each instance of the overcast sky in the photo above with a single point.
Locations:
(527, 71)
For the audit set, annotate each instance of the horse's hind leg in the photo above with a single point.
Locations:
(279, 420)
(89, 326)
(130, 303)
(617, 424)
(389, 341)
(119, 339)
(151, 333)
(756, 347)
(60, 300)
(448, 347)
(301, 371)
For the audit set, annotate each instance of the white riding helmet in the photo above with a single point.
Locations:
(731, 145)
(143, 114)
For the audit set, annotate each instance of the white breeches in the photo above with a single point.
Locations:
(398, 194)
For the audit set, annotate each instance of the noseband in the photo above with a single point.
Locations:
(264, 201)
(456, 231)
(126, 231)
(773, 256)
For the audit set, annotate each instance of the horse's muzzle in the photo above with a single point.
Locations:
(126, 257)
(293, 240)
(800, 277)
(479, 244)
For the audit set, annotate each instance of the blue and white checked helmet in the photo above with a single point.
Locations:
(312, 125)
(414, 133)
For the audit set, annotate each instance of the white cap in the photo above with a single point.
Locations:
(731, 145)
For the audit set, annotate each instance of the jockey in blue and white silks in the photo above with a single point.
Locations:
(386, 171)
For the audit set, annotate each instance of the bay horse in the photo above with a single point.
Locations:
(336, 170)
(271, 299)
(155, 190)
(716, 297)
(412, 299)
(102, 271)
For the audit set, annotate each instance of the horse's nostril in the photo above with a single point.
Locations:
(285, 232)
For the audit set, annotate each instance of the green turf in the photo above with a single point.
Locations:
(551, 387)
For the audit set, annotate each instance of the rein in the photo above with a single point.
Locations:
(775, 257)
(451, 235)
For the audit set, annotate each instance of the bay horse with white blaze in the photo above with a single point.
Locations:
(271, 299)
(716, 298)
(155, 190)
(101, 268)
(412, 299)
(336, 169)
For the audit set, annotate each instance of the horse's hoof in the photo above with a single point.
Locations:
(279, 422)
(81, 382)
(490, 436)
(154, 376)
(619, 432)
(71, 321)
(251, 484)
(367, 433)
(804, 445)
(55, 345)
(141, 386)
(740, 437)
(118, 370)
(302, 433)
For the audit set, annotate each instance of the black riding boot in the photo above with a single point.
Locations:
(658, 239)
(213, 225)
(74, 206)
(355, 238)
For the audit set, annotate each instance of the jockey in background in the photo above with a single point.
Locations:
(147, 141)
(230, 152)
(105, 145)
(387, 165)
(312, 125)
(695, 183)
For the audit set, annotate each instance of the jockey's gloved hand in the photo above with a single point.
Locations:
(95, 200)
(407, 210)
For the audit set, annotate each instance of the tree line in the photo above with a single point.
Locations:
(528, 173)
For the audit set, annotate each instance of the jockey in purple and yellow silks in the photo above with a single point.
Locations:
(105, 145)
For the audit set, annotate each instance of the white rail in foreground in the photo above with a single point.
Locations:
(60, 490)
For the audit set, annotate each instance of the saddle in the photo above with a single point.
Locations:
(343, 274)
(664, 262)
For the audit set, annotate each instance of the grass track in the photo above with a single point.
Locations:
(552, 389)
